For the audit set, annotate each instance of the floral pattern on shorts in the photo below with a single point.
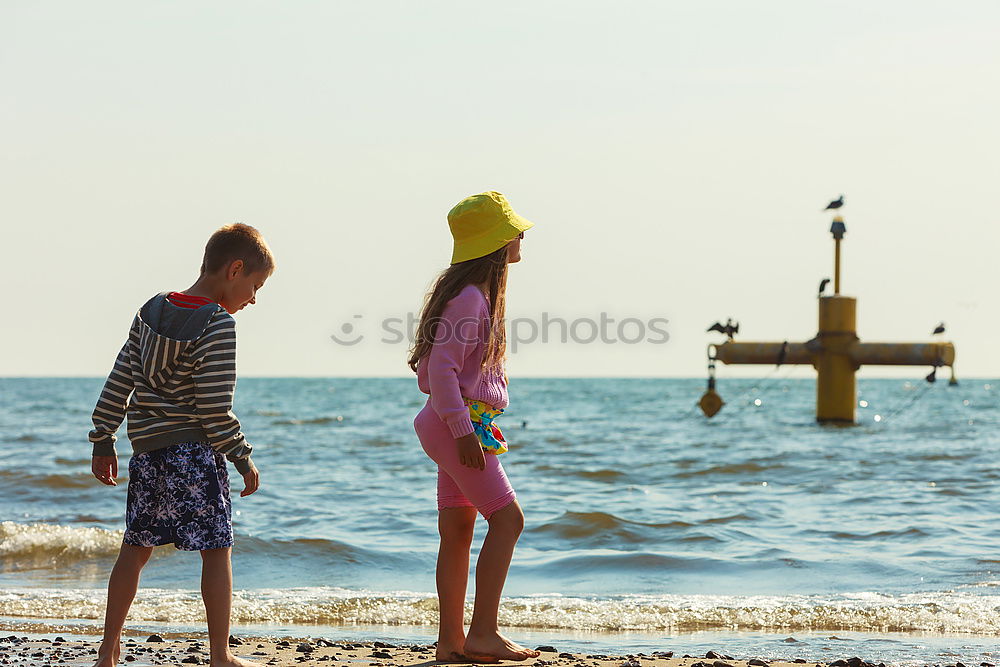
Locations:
(179, 495)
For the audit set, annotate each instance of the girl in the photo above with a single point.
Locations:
(458, 355)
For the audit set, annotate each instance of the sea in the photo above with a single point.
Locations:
(649, 527)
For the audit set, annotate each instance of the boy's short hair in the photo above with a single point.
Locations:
(237, 241)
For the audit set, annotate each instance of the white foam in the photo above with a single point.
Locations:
(940, 612)
(28, 540)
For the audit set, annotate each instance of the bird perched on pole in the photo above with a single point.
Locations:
(729, 328)
(939, 329)
(835, 204)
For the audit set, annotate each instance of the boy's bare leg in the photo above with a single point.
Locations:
(122, 586)
(456, 526)
(217, 593)
(484, 640)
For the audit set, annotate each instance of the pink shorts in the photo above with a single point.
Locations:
(460, 486)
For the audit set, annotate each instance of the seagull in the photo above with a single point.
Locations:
(835, 204)
(823, 284)
(729, 328)
(939, 329)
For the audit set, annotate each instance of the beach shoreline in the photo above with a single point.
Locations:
(150, 650)
(70, 642)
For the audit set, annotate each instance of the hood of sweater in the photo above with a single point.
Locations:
(166, 332)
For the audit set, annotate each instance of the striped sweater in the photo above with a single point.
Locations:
(174, 378)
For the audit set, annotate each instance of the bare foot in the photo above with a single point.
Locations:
(452, 651)
(497, 647)
(232, 661)
(448, 655)
(105, 660)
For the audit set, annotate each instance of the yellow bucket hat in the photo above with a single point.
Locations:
(482, 224)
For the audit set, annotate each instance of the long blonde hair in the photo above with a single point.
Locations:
(490, 271)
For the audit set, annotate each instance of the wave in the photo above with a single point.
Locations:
(80, 462)
(316, 552)
(604, 474)
(50, 544)
(317, 421)
(77, 480)
(37, 544)
(941, 612)
(603, 526)
(720, 520)
(904, 534)
(730, 469)
(381, 442)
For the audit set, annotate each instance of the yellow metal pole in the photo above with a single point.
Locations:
(835, 352)
(836, 266)
(836, 386)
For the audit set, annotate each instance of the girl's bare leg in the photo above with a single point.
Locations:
(456, 525)
(484, 640)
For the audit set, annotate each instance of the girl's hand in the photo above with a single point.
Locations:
(470, 451)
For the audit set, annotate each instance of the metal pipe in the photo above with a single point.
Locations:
(732, 352)
(904, 354)
(836, 267)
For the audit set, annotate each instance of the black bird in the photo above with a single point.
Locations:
(729, 328)
(939, 329)
(822, 285)
(835, 204)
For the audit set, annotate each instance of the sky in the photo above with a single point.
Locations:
(674, 156)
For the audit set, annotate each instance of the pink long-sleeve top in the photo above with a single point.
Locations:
(453, 369)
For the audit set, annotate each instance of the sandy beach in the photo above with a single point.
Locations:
(154, 650)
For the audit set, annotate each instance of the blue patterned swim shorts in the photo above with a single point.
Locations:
(179, 495)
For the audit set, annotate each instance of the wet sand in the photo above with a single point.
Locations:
(153, 650)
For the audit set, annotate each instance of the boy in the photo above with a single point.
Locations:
(175, 378)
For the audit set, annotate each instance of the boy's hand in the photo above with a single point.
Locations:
(470, 451)
(251, 481)
(105, 468)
